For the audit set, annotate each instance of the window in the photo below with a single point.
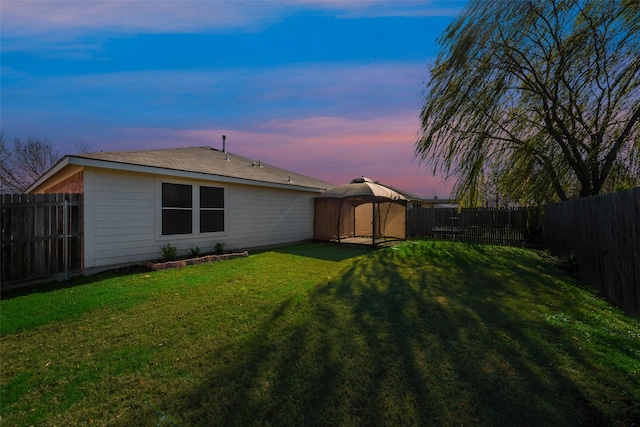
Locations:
(184, 204)
(177, 212)
(211, 209)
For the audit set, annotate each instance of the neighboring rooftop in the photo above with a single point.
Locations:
(422, 200)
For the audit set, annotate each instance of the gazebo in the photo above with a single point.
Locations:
(362, 211)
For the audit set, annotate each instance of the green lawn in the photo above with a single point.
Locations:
(424, 333)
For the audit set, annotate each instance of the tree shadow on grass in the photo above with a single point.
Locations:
(417, 335)
(327, 251)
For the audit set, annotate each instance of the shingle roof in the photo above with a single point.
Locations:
(208, 160)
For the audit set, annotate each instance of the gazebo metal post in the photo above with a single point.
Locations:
(353, 220)
(383, 229)
(339, 219)
(373, 223)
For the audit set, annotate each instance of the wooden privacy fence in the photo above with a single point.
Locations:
(603, 234)
(41, 237)
(484, 225)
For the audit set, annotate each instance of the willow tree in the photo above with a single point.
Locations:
(539, 100)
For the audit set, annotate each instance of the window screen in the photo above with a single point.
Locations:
(176, 221)
(211, 197)
(177, 213)
(211, 209)
(176, 196)
(211, 221)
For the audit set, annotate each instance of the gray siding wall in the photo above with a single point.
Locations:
(122, 218)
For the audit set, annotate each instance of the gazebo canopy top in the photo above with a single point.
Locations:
(362, 189)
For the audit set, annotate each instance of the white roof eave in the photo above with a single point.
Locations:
(106, 164)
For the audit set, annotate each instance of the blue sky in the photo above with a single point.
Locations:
(327, 88)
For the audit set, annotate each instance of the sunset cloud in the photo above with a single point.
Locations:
(327, 88)
(238, 96)
(335, 149)
(70, 18)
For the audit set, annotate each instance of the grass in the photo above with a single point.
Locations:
(424, 333)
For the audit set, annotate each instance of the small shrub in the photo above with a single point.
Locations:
(169, 252)
(194, 252)
(219, 248)
(569, 264)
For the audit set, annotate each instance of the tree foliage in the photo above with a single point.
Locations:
(24, 163)
(538, 100)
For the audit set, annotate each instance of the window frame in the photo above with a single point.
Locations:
(211, 209)
(179, 208)
(195, 210)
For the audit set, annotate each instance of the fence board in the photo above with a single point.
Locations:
(33, 234)
(603, 234)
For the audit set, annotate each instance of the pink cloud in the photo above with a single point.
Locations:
(335, 149)
(378, 8)
(68, 18)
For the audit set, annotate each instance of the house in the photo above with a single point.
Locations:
(137, 201)
(414, 201)
(419, 202)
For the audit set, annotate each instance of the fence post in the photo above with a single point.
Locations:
(66, 238)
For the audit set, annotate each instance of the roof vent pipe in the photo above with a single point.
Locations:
(224, 145)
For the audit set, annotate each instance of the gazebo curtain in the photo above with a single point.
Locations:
(378, 218)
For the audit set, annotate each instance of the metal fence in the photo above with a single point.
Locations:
(518, 226)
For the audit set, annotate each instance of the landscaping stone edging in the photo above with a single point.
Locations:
(200, 260)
